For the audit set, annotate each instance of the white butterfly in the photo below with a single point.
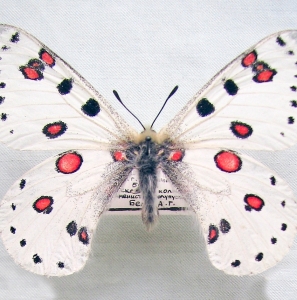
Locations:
(248, 214)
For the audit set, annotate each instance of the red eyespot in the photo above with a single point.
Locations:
(176, 155)
(119, 156)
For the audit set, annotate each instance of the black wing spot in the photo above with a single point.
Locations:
(204, 108)
(22, 183)
(23, 243)
(235, 263)
(15, 38)
(91, 108)
(225, 226)
(280, 41)
(65, 86)
(36, 259)
(272, 180)
(3, 117)
(291, 120)
(71, 228)
(259, 256)
(231, 87)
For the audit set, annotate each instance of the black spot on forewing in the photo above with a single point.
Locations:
(272, 180)
(65, 86)
(231, 87)
(15, 38)
(280, 41)
(91, 108)
(22, 183)
(204, 107)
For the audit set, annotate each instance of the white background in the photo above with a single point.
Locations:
(143, 49)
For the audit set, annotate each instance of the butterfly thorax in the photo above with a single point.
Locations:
(147, 157)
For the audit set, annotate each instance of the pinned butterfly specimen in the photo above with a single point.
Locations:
(248, 214)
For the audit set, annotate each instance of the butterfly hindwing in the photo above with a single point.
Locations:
(249, 226)
(46, 225)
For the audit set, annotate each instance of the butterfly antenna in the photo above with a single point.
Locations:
(118, 97)
(170, 95)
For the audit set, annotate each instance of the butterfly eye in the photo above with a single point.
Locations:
(176, 155)
(119, 156)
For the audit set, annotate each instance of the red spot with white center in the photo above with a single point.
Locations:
(43, 204)
(176, 155)
(69, 163)
(254, 202)
(241, 130)
(264, 76)
(249, 59)
(46, 57)
(228, 161)
(31, 73)
(83, 235)
(213, 234)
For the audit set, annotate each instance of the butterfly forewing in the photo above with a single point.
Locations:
(45, 104)
(250, 104)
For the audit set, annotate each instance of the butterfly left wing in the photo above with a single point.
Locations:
(45, 104)
(250, 225)
(250, 104)
(46, 223)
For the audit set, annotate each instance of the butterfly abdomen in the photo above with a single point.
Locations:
(147, 164)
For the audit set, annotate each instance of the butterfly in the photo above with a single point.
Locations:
(248, 214)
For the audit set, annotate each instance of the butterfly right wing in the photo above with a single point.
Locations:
(248, 221)
(48, 217)
(45, 104)
(250, 104)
